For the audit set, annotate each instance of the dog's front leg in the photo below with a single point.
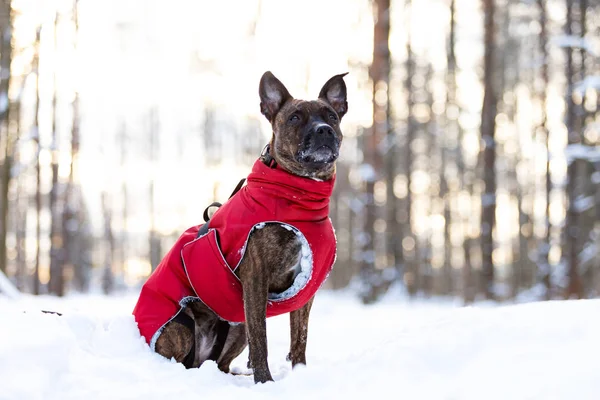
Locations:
(254, 277)
(299, 334)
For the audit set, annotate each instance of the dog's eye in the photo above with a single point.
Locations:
(333, 117)
(294, 118)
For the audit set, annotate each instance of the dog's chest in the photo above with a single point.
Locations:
(205, 344)
(282, 245)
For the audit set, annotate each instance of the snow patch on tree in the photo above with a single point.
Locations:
(590, 82)
(577, 42)
(582, 152)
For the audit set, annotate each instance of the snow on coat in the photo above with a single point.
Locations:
(202, 268)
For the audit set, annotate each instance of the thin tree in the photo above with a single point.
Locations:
(382, 107)
(574, 284)
(70, 225)
(544, 250)
(109, 251)
(154, 251)
(56, 285)
(409, 241)
(379, 72)
(428, 131)
(125, 199)
(19, 215)
(452, 125)
(38, 172)
(465, 174)
(488, 130)
(6, 141)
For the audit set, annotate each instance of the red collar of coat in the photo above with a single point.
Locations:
(309, 196)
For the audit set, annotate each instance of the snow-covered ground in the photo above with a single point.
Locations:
(394, 349)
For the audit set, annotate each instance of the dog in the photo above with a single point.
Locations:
(265, 252)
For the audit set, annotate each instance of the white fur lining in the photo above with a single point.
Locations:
(305, 262)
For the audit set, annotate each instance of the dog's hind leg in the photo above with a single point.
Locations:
(234, 345)
(175, 341)
(299, 334)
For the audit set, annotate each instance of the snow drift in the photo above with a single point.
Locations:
(394, 349)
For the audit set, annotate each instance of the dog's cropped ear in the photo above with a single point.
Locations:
(273, 95)
(334, 93)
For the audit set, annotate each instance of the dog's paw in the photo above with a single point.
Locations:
(262, 376)
(240, 372)
(299, 361)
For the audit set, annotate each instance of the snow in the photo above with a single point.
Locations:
(590, 82)
(393, 349)
(575, 41)
(367, 172)
(488, 199)
(7, 288)
(588, 253)
(579, 151)
(489, 142)
(3, 102)
(34, 134)
(582, 204)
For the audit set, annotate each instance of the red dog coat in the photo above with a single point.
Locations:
(203, 268)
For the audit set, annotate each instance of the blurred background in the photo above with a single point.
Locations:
(470, 166)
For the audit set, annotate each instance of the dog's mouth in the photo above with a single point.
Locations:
(322, 155)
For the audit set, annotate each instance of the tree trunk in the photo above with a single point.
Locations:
(409, 241)
(56, 285)
(521, 264)
(109, 250)
(574, 284)
(451, 126)
(469, 284)
(38, 184)
(544, 249)
(453, 110)
(154, 251)
(395, 258)
(20, 214)
(6, 141)
(70, 221)
(70, 224)
(125, 198)
(488, 128)
(379, 72)
(425, 277)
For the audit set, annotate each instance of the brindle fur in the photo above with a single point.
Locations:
(270, 263)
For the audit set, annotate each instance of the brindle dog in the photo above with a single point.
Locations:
(306, 141)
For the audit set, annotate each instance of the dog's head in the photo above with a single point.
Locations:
(306, 134)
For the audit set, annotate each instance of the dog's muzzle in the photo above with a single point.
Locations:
(320, 145)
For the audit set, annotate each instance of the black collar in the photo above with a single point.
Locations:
(267, 158)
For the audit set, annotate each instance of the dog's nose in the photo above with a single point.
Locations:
(324, 130)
